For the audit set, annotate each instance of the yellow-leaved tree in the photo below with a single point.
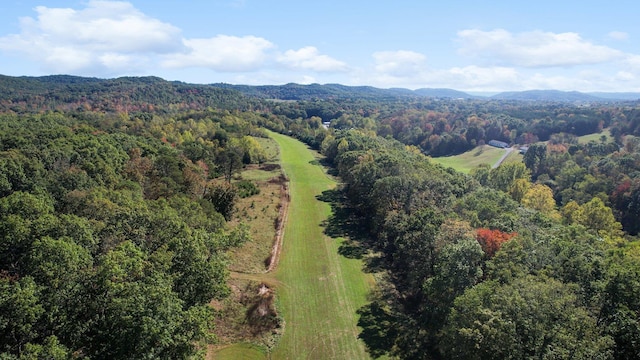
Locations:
(540, 197)
(599, 217)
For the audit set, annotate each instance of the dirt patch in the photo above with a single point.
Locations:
(282, 179)
(249, 314)
(262, 316)
(269, 167)
(280, 223)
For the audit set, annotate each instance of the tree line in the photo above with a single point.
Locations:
(484, 266)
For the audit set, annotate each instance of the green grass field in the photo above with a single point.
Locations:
(320, 290)
(595, 137)
(514, 156)
(464, 162)
(240, 352)
(486, 154)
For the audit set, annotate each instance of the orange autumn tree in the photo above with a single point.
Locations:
(492, 240)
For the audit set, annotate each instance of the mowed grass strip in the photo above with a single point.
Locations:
(239, 352)
(464, 162)
(319, 291)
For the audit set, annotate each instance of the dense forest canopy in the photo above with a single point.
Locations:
(115, 201)
(114, 231)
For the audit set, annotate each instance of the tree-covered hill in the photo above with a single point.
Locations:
(115, 200)
(549, 95)
(486, 266)
(63, 92)
(133, 93)
(114, 231)
(317, 91)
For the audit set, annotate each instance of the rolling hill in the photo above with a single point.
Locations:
(134, 91)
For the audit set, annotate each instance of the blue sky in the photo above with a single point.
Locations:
(465, 45)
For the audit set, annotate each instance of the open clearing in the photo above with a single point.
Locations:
(317, 291)
(320, 290)
(464, 162)
(489, 155)
(596, 137)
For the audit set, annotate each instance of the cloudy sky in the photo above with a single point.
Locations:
(477, 46)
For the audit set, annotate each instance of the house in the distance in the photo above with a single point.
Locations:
(498, 144)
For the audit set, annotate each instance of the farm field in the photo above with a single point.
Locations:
(486, 154)
(464, 162)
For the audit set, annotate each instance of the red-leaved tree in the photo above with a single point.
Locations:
(492, 240)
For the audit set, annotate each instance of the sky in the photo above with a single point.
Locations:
(474, 46)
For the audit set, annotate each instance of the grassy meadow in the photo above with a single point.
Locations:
(464, 162)
(317, 291)
(595, 137)
(486, 154)
(320, 290)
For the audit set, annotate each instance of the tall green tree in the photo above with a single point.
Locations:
(534, 159)
(530, 318)
(137, 313)
(20, 314)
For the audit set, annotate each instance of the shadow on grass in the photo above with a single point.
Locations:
(358, 243)
(326, 164)
(346, 224)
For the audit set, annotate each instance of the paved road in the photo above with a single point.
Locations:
(507, 151)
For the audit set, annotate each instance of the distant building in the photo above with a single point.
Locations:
(498, 144)
(523, 149)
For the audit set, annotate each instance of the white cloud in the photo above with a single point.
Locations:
(308, 58)
(486, 78)
(400, 63)
(222, 53)
(113, 38)
(618, 35)
(106, 26)
(533, 49)
(633, 62)
(409, 69)
(306, 79)
(559, 82)
(106, 36)
(625, 76)
(477, 77)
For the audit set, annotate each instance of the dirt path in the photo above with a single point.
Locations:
(507, 151)
(285, 199)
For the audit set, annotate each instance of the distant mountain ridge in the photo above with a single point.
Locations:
(548, 95)
(176, 90)
(445, 93)
(294, 91)
(305, 92)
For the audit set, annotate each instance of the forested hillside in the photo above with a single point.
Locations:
(485, 267)
(116, 202)
(529, 260)
(73, 93)
(114, 231)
